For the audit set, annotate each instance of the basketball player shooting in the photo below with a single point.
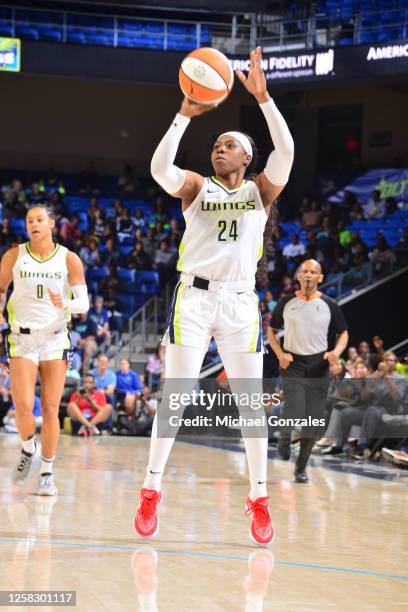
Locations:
(225, 217)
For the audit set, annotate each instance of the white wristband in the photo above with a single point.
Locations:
(80, 303)
(162, 167)
(280, 161)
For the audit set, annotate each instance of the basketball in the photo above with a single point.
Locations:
(206, 76)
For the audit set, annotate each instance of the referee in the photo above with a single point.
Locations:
(315, 335)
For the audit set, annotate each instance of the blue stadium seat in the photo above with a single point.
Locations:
(50, 34)
(131, 26)
(125, 250)
(148, 281)
(18, 226)
(126, 275)
(343, 42)
(96, 274)
(5, 28)
(76, 37)
(99, 39)
(27, 31)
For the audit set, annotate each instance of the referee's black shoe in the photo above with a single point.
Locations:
(301, 477)
(284, 447)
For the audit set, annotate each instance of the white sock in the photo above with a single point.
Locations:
(254, 602)
(257, 452)
(29, 445)
(46, 465)
(181, 363)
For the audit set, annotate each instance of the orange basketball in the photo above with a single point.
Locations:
(206, 76)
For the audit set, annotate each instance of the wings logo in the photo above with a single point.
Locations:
(324, 63)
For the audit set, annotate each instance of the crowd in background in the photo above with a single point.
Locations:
(155, 239)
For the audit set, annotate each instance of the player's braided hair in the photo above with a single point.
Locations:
(44, 206)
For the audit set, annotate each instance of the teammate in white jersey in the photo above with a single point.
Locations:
(48, 285)
(225, 218)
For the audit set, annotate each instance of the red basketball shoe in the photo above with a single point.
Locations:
(146, 520)
(262, 531)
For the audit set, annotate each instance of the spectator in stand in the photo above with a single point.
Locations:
(390, 206)
(382, 257)
(155, 367)
(110, 255)
(56, 203)
(175, 227)
(350, 408)
(89, 407)
(164, 263)
(90, 254)
(100, 316)
(161, 232)
(89, 180)
(124, 225)
(295, 249)
(87, 329)
(51, 183)
(35, 196)
(128, 386)
(150, 243)
(344, 234)
(97, 227)
(174, 243)
(288, 285)
(160, 213)
(389, 393)
(127, 182)
(75, 338)
(69, 231)
(92, 208)
(8, 237)
(311, 218)
(375, 208)
(364, 350)
(357, 246)
(15, 202)
(401, 250)
(269, 301)
(342, 256)
(138, 259)
(140, 422)
(105, 379)
(111, 281)
(139, 219)
(356, 213)
(115, 308)
(352, 355)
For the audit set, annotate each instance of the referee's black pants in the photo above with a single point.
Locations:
(305, 384)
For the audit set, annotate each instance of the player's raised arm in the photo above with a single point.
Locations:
(176, 181)
(276, 173)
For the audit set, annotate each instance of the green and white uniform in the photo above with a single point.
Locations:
(222, 243)
(38, 330)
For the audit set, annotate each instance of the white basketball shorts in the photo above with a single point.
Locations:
(227, 311)
(39, 346)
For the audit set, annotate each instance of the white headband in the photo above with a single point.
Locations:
(242, 139)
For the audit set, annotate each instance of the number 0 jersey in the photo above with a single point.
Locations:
(223, 239)
(30, 305)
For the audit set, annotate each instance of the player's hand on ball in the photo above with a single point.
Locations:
(255, 82)
(285, 360)
(192, 109)
(331, 357)
(56, 299)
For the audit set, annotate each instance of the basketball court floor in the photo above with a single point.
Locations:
(341, 541)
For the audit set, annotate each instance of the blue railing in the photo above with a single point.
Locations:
(335, 23)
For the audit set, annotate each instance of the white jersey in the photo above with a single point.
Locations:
(223, 239)
(30, 305)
